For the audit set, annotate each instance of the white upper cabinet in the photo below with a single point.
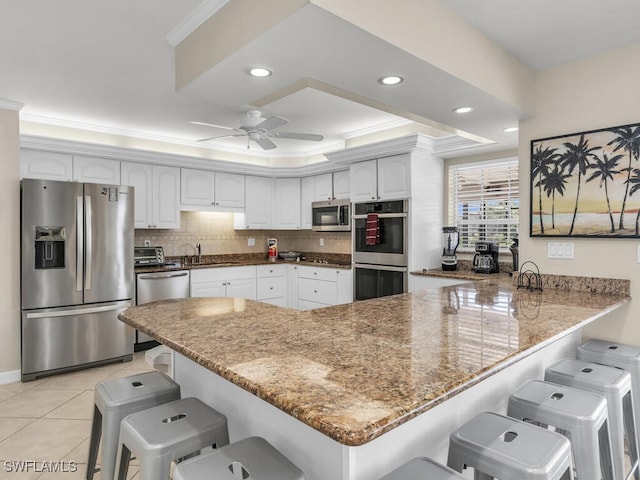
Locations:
(386, 178)
(306, 198)
(341, 184)
(197, 187)
(323, 187)
(157, 194)
(287, 203)
(330, 186)
(229, 190)
(364, 181)
(394, 177)
(166, 197)
(96, 170)
(258, 205)
(46, 165)
(211, 190)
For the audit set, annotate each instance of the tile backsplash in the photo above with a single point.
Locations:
(216, 235)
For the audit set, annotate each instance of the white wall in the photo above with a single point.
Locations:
(602, 91)
(10, 246)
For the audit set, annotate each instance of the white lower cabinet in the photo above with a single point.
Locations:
(321, 287)
(271, 284)
(224, 282)
(292, 286)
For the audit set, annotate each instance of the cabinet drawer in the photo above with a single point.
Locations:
(271, 270)
(222, 273)
(271, 287)
(318, 273)
(318, 291)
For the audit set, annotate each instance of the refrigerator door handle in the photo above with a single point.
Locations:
(77, 311)
(88, 233)
(79, 242)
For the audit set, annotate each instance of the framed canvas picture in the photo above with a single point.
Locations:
(587, 184)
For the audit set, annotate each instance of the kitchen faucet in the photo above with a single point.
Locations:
(199, 253)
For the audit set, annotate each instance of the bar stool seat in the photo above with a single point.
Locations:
(506, 448)
(423, 468)
(579, 413)
(159, 435)
(114, 400)
(615, 385)
(616, 355)
(251, 458)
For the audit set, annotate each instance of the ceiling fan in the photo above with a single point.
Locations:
(260, 130)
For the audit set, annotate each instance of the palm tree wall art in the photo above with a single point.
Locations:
(583, 184)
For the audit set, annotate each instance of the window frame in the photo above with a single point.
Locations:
(512, 201)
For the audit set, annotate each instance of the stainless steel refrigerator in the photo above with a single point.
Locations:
(76, 275)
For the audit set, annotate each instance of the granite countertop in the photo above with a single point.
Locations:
(239, 260)
(356, 371)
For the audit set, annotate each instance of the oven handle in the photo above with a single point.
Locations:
(383, 215)
(380, 267)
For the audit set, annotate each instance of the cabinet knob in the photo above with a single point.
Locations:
(315, 291)
(373, 198)
(315, 273)
(217, 203)
(270, 288)
(213, 203)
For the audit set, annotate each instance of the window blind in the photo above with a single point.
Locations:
(483, 201)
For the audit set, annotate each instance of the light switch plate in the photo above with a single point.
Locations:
(322, 242)
(638, 254)
(562, 251)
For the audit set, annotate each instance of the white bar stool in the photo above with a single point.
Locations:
(579, 413)
(252, 458)
(159, 435)
(423, 468)
(114, 400)
(617, 355)
(496, 446)
(615, 385)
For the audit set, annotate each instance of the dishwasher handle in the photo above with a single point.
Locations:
(156, 276)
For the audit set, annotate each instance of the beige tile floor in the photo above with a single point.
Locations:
(49, 420)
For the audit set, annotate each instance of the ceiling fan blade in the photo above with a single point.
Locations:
(298, 136)
(221, 136)
(212, 125)
(271, 123)
(265, 143)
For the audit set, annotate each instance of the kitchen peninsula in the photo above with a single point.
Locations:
(352, 391)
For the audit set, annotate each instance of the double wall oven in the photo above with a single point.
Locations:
(380, 246)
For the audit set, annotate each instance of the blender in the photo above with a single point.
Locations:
(451, 240)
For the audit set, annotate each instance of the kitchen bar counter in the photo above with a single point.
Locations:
(354, 372)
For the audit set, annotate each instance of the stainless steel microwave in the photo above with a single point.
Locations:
(331, 216)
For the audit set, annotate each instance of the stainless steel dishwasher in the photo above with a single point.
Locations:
(159, 286)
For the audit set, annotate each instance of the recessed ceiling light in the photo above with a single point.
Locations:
(463, 109)
(510, 129)
(391, 80)
(260, 72)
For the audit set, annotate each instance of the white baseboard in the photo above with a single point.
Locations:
(9, 377)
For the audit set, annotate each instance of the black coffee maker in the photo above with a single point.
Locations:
(486, 258)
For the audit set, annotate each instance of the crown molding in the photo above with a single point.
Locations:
(192, 21)
(158, 158)
(9, 105)
(454, 143)
(382, 149)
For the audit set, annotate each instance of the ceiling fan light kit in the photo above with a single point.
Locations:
(260, 130)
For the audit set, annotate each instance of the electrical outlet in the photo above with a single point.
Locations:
(251, 242)
(638, 254)
(147, 243)
(322, 242)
